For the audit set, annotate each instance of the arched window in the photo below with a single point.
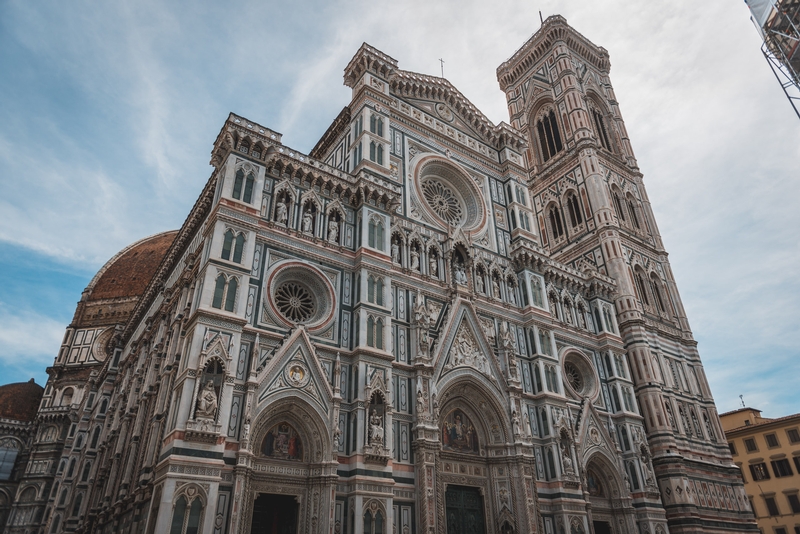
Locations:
(574, 207)
(370, 331)
(71, 470)
(641, 287)
(225, 291)
(249, 183)
(238, 248)
(600, 126)
(619, 206)
(230, 297)
(219, 292)
(556, 226)
(375, 290)
(376, 125)
(615, 399)
(86, 470)
(227, 244)
(632, 212)
(238, 184)
(95, 438)
(551, 464)
(549, 136)
(63, 499)
(379, 334)
(375, 233)
(185, 517)
(9, 448)
(56, 523)
(76, 508)
(373, 524)
(623, 432)
(655, 285)
(104, 406)
(66, 397)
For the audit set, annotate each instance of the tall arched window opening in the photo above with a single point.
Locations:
(600, 126)
(618, 205)
(642, 289)
(556, 226)
(549, 136)
(574, 208)
(227, 245)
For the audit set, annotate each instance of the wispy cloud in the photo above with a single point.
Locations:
(29, 342)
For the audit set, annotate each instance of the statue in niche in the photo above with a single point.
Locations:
(460, 273)
(333, 232)
(207, 402)
(308, 221)
(422, 405)
(507, 338)
(496, 288)
(479, 286)
(414, 260)
(375, 428)
(337, 434)
(458, 433)
(395, 253)
(433, 265)
(281, 212)
(512, 296)
(566, 459)
(515, 423)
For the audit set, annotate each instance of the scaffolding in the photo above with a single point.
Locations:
(778, 22)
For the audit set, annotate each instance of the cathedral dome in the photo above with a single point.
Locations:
(20, 400)
(129, 271)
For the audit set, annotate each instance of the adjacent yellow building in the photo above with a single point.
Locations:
(768, 453)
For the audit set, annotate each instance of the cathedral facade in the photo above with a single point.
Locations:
(428, 324)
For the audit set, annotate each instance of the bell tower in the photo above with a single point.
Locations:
(594, 215)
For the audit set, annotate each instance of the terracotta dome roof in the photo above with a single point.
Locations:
(20, 401)
(128, 273)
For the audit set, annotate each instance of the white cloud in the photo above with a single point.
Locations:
(29, 341)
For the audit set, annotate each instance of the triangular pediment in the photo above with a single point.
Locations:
(295, 370)
(447, 116)
(464, 348)
(592, 433)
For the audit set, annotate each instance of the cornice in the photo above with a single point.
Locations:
(554, 29)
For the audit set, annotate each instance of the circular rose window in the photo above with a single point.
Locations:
(294, 301)
(449, 196)
(574, 377)
(299, 293)
(579, 375)
(444, 201)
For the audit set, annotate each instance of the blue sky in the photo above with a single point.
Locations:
(108, 115)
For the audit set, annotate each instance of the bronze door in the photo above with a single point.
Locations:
(464, 510)
(274, 514)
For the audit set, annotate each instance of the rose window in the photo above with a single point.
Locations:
(449, 196)
(298, 293)
(574, 377)
(579, 375)
(443, 201)
(294, 302)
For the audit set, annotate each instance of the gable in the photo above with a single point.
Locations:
(295, 370)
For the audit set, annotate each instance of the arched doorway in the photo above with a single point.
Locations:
(609, 498)
(477, 464)
(290, 479)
